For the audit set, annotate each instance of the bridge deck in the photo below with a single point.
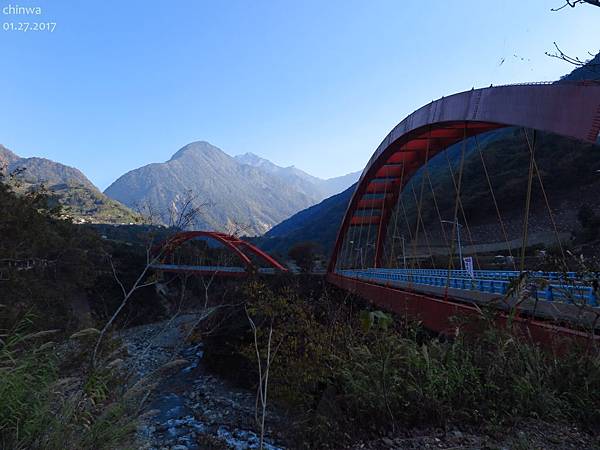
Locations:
(208, 270)
(563, 297)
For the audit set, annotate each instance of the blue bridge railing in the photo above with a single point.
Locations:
(489, 274)
(558, 287)
(190, 268)
(209, 269)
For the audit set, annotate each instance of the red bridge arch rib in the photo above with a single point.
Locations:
(237, 246)
(567, 109)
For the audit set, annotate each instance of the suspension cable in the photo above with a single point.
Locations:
(460, 204)
(358, 248)
(420, 221)
(456, 202)
(489, 182)
(344, 250)
(380, 228)
(414, 261)
(408, 228)
(393, 229)
(539, 177)
(395, 215)
(402, 206)
(370, 226)
(419, 203)
(439, 214)
(527, 202)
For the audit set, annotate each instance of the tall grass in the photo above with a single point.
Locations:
(495, 378)
(27, 369)
(41, 410)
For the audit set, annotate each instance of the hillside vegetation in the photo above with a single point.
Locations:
(57, 289)
(567, 168)
(66, 186)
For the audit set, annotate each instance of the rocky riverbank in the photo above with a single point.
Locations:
(191, 409)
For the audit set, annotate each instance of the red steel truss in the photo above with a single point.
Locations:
(569, 109)
(244, 250)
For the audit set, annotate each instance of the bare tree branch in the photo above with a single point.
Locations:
(559, 54)
(127, 295)
(114, 271)
(181, 216)
(574, 3)
(237, 229)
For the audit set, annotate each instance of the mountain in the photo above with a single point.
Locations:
(298, 179)
(320, 187)
(40, 170)
(235, 194)
(319, 223)
(256, 161)
(336, 185)
(67, 186)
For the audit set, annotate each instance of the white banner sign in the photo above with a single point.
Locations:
(468, 261)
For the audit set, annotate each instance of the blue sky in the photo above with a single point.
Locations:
(317, 84)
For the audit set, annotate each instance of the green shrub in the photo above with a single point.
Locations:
(341, 369)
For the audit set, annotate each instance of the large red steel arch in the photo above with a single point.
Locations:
(244, 250)
(569, 109)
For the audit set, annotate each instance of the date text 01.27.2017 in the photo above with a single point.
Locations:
(29, 26)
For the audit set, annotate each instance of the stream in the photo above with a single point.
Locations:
(190, 408)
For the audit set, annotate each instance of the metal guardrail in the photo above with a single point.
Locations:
(563, 292)
(26, 264)
(488, 274)
(208, 269)
(198, 268)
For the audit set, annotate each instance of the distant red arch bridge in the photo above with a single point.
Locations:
(220, 255)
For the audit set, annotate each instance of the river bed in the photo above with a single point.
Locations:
(190, 408)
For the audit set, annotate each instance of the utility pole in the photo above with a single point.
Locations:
(458, 226)
(403, 251)
(359, 250)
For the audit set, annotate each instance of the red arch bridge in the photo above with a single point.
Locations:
(214, 254)
(413, 240)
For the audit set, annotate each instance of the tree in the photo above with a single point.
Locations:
(559, 54)
(574, 3)
(182, 215)
(304, 254)
(586, 216)
(589, 223)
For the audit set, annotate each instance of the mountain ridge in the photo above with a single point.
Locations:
(67, 186)
(42, 170)
(325, 187)
(237, 194)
